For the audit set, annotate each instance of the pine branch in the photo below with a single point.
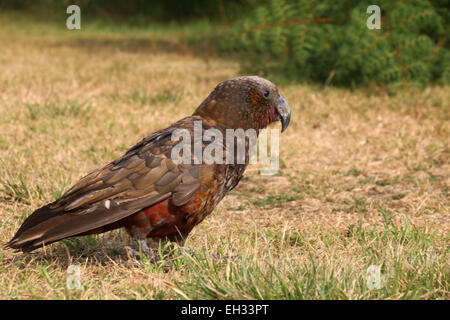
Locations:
(314, 39)
(287, 23)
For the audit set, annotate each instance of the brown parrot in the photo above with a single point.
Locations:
(149, 193)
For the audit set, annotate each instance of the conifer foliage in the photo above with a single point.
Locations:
(329, 41)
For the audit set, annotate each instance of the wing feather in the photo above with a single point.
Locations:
(142, 177)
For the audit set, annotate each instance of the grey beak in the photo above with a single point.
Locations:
(284, 113)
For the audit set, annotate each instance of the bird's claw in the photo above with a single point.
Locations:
(144, 253)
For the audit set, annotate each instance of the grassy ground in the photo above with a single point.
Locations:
(364, 176)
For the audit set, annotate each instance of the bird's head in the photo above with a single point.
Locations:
(245, 102)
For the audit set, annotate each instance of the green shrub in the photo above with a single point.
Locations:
(329, 42)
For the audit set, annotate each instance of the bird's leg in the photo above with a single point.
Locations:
(143, 249)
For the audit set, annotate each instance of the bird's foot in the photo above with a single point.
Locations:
(144, 253)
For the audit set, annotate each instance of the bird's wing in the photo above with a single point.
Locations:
(144, 176)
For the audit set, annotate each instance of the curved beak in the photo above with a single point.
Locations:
(284, 113)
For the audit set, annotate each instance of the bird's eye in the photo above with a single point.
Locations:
(266, 93)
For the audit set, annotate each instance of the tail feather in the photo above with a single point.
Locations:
(35, 227)
(52, 222)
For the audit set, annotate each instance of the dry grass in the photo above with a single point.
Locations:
(364, 175)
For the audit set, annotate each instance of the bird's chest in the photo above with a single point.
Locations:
(224, 181)
(231, 176)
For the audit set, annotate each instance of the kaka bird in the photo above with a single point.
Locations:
(146, 191)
